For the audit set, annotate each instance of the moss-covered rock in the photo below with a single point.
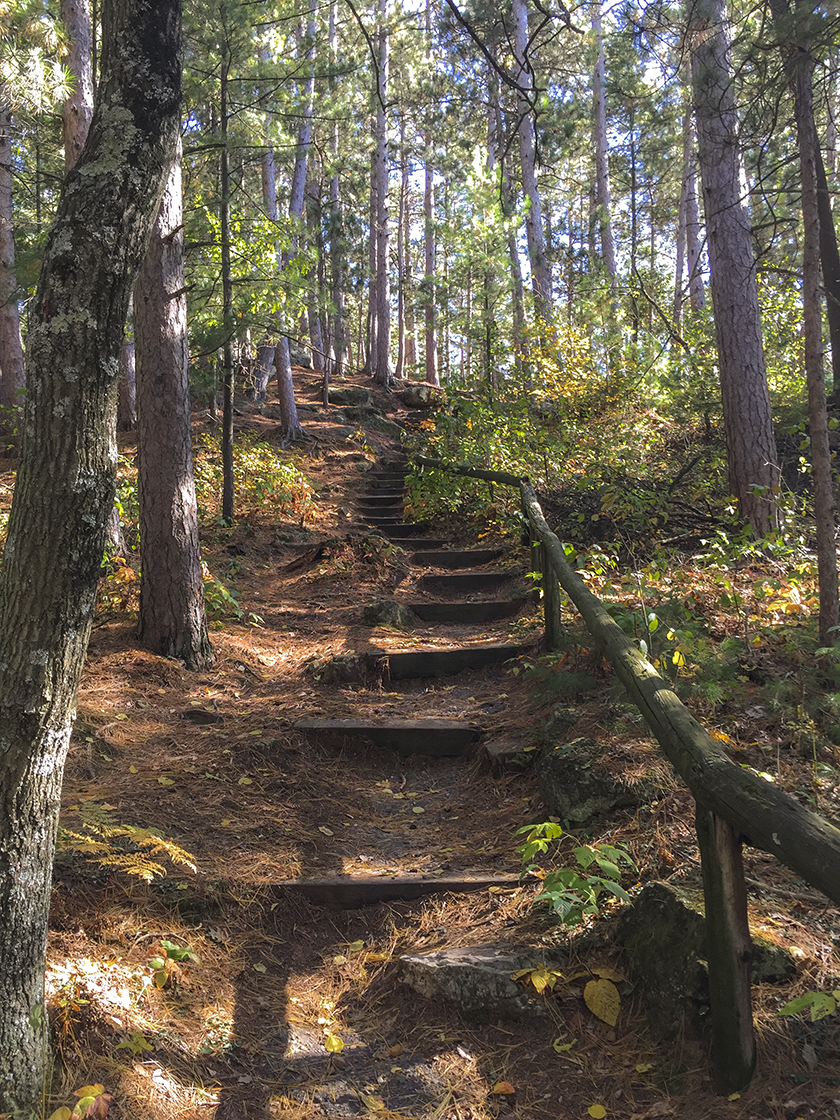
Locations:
(576, 787)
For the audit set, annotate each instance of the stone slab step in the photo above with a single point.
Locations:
(350, 892)
(404, 664)
(441, 738)
(464, 582)
(456, 558)
(482, 611)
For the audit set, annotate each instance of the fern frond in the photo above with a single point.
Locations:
(134, 863)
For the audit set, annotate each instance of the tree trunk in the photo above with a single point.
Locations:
(382, 373)
(750, 443)
(12, 378)
(540, 272)
(289, 422)
(338, 329)
(264, 368)
(65, 488)
(602, 169)
(429, 302)
(797, 57)
(127, 392)
(173, 622)
(78, 108)
(228, 498)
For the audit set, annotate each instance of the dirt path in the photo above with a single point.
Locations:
(296, 1008)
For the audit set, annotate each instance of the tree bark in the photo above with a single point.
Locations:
(429, 247)
(12, 377)
(127, 392)
(338, 328)
(78, 108)
(750, 442)
(540, 272)
(382, 372)
(603, 201)
(172, 621)
(65, 488)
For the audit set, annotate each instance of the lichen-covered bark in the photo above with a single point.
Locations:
(77, 111)
(172, 616)
(65, 486)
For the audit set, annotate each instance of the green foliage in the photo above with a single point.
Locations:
(575, 893)
(164, 964)
(263, 477)
(129, 848)
(819, 1004)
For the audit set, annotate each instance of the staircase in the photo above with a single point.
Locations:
(453, 593)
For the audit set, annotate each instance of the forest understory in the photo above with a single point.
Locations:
(219, 993)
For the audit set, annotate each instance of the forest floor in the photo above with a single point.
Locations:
(212, 760)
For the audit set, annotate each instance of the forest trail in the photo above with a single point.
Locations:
(297, 1006)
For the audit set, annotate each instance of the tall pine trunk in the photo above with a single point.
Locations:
(12, 377)
(172, 621)
(750, 443)
(382, 369)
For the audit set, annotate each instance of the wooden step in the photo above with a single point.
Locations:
(456, 558)
(464, 582)
(404, 664)
(441, 738)
(482, 611)
(349, 892)
(375, 501)
(409, 543)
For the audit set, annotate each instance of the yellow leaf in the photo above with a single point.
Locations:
(597, 1111)
(734, 1097)
(603, 1000)
(120, 715)
(503, 1089)
(132, 769)
(89, 1091)
(418, 809)
(258, 967)
(339, 959)
(563, 1047)
(644, 1067)
(226, 823)
(333, 1043)
(246, 781)
(371, 1103)
(166, 781)
(356, 946)
(377, 957)
(62, 1113)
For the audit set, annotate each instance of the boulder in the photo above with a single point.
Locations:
(388, 612)
(421, 395)
(477, 979)
(560, 723)
(576, 788)
(664, 936)
(510, 752)
(350, 395)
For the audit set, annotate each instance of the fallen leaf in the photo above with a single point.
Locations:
(259, 967)
(132, 769)
(603, 1000)
(503, 1089)
(597, 1111)
(332, 1043)
(356, 946)
(246, 781)
(396, 1050)
(326, 831)
(418, 809)
(607, 973)
(339, 958)
(166, 781)
(563, 1047)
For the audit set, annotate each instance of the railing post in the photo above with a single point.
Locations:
(729, 951)
(548, 591)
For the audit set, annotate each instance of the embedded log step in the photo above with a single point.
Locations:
(483, 611)
(404, 530)
(441, 738)
(404, 664)
(464, 582)
(377, 501)
(456, 558)
(409, 542)
(350, 892)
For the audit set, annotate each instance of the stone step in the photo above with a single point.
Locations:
(441, 738)
(380, 480)
(380, 521)
(404, 664)
(377, 500)
(464, 582)
(486, 611)
(456, 558)
(386, 488)
(349, 892)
